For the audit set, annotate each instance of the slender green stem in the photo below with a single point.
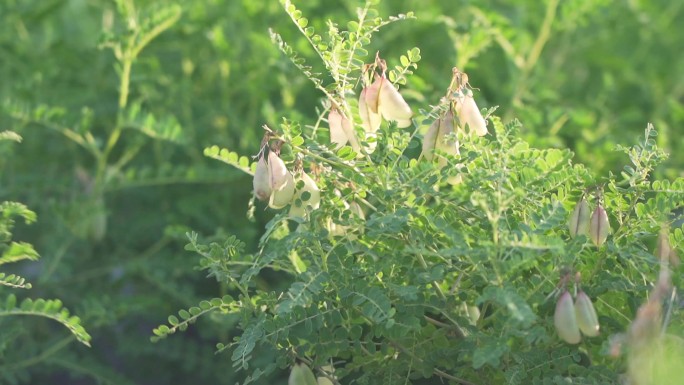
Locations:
(435, 285)
(47, 353)
(357, 41)
(535, 52)
(125, 81)
(57, 259)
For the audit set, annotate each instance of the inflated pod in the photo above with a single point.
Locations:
(599, 226)
(262, 181)
(342, 130)
(579, 219)
(301, 375)
(308, 197)
(470, 115)
(392, 105)
(371, 120)
(282, 197)
(565, 321)
(587, 320)
(277, 172)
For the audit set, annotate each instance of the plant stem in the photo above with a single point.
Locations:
(435, 285)
(59, 345)
(535, 52)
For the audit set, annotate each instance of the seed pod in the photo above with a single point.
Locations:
(439, 136)
(324, 381)
(448, 144)
(471, 312)
(342, 130)
(337, 134)
(277, 172)
(565, 320)
(599, 226)
(335, 230)
(371, 120)
(261, 181)
(392, 105)
(579, 220)
(348, 128)
(283, 197)
(430, 140)
(309, 196)
(445, 140)
(587, 320)
(647, 325)
(373, 95)
(469, 114)
(301, 375)
(356, 209)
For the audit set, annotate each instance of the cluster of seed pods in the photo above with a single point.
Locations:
(594, 224)
(571, 319)
(379, 99)
(461, 111)
(274, 183)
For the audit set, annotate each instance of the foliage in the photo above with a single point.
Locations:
(114, 167)
(430, 280)
(12, 252)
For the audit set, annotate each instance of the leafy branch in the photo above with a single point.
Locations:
(190, 316)
(52, 309)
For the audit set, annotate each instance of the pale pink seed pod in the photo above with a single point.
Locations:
(587, 320)
(446, 141)
(599, 226)
(337, 132)
(579, 219)
(348, 128)
(356, 209)
(373, 95)
(469, 114)
(262, 181)
(282, 197)
(392, 105)
(439, 136)
(565, 320)
(307, 205)
(647, 325)
(277, 172)
(370, 120)
(301, 375)
(449, 144)
(335, 230)
(430, 140)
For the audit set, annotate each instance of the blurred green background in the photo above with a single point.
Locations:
(585, 74)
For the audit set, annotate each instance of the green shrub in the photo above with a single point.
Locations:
(441, 263)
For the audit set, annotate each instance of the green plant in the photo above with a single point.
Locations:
(580, 75)
(436, 266)
(10, 309)
(108, 167)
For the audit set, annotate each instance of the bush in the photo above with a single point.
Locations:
(112, 163)
(441, 263)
